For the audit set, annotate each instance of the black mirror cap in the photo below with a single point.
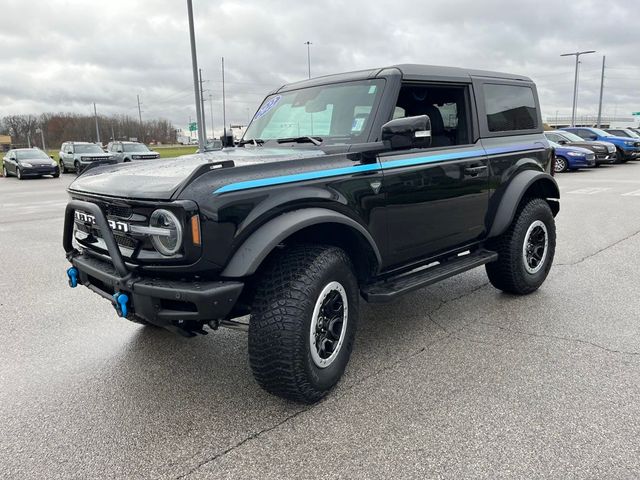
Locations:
(408, 132)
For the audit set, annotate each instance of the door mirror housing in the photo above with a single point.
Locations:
(562, 142)
(119, 150)
(407, 132)
(69, 152)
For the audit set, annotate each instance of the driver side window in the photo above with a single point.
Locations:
(445, 106)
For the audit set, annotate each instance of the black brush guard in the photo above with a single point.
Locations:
(181, 306)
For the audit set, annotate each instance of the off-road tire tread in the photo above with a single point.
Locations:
(276, 350)
(506, 273)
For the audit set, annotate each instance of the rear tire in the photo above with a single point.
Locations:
(525, 250)
(303, 321)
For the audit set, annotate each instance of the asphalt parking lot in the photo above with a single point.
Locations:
(454, 381)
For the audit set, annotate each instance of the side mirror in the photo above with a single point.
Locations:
(408, 132)
(51, 157)
(562, 142)
(119, 151)
(69, 152)
(593, 137)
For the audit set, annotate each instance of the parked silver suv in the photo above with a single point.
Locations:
(77, 156)
(129, 151)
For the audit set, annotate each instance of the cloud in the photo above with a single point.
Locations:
(62, 55)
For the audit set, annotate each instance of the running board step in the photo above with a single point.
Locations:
(391, 288)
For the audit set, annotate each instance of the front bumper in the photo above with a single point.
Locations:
(603, 158)
(178, 305)
(37, 171)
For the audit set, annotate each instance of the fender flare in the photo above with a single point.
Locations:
(246, 260)
(514, 193)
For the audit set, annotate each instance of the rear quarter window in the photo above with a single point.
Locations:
(510, 107)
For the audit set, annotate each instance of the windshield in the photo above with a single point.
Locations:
(33, 154)
(339, 112)
(632, 134)
(87, 149)
(554, 144)
(135, 147)
(601, 133)
(572, 137)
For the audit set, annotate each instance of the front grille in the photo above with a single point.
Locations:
(120, 211)
(121, 240)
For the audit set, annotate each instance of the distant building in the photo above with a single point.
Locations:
(5, 143)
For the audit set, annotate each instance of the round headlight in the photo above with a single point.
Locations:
(167, 243)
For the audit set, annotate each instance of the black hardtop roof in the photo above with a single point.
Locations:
(409, 71)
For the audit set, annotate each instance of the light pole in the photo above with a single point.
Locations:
(575, 83)
(308, 44)
(194, 63)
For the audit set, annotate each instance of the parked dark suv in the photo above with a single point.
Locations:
(367, 184)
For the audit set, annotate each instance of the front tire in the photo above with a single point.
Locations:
(5, 174)
(63, 167)
(620, 157)
(19, 173)
(303, 321)
(525, 250)
(561, 165)
(76, 166)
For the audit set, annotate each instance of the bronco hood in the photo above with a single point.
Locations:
(160, 179)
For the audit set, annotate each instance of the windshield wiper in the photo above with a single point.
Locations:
(304, 139)
(254, 141)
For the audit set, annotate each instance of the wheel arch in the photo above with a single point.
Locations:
(525, 185)
(317, 225)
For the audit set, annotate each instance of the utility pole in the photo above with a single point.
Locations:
(95, 115)
(575, 83)
(601, 92)
(204, 128)
(194, 63)
(224, 107)
(308, 44)
(140, 117)
(213, 132)
(113, 135)
(41, 132)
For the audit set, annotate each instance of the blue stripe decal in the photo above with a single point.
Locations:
(336, 172)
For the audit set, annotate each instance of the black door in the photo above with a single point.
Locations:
(437, 197)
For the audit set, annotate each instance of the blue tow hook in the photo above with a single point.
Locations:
(72, 273)
(121, 303)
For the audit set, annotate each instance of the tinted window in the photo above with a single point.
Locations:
(553, 137)
(445, 106)
(510, 107)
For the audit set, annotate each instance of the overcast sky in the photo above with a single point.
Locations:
(58, 55)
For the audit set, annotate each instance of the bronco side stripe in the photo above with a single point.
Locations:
(404, 162)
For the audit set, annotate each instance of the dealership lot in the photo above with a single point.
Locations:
(453, 381)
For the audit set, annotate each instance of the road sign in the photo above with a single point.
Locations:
(193, 126)
(635, 113)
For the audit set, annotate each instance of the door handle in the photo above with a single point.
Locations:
(474, 171)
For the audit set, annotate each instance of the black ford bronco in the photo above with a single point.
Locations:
(368, 184)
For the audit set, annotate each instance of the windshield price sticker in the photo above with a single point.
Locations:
(272, 102)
